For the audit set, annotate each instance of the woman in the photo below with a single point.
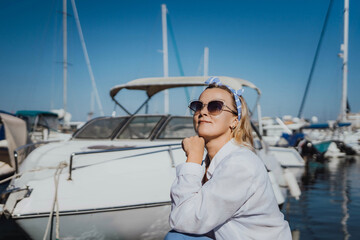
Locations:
(233, 199)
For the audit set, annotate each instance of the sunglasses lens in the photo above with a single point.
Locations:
(215, 107)
(196, 106)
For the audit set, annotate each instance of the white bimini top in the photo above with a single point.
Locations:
(237, 201)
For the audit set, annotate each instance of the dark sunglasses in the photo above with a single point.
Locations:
(214, 107)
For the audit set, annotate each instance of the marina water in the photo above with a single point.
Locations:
(329, 207)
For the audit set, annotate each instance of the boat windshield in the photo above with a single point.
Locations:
(140, 127)
(35, 123)
(178, 128)
(102, 128)
(48, 121)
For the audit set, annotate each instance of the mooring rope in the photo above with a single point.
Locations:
(57, 174)
(28, 171)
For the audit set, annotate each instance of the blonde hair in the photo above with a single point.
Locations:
(242, 133)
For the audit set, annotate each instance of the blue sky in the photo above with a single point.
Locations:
(270, 43)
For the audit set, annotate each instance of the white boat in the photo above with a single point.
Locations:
(333, 138)
(275, 128)
(291, 162)
(44, 126)
(334, 152)
(112, 179)
(287, 166)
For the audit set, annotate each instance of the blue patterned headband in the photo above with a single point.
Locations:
(237, 94)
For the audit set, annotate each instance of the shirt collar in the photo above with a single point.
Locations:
(219, 156)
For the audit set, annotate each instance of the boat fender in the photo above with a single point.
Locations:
(292, 184)
(275, 186)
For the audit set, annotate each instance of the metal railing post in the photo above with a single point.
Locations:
(16, 162)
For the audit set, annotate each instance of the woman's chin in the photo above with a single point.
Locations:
(203, 134)
(207, 133)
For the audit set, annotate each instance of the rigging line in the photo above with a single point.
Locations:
(172, 35)
(33, 75)
(87, 57)
(175, 47)
(193, 89)
(315, 59)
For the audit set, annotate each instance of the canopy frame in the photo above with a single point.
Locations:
(154, 85)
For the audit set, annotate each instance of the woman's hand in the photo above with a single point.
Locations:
(194, 149)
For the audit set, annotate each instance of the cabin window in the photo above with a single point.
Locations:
(103, 128)
(178, 128)
(140, 127)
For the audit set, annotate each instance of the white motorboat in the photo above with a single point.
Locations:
(274, 128)
(44, 126)
(112, 179)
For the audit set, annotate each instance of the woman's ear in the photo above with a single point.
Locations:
(234, 123)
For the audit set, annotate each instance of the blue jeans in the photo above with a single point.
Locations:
(172, 235)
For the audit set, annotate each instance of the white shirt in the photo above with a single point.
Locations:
(237, 201)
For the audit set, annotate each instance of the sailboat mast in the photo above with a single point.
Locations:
(65, 56)
(344, 48)
(165, 56)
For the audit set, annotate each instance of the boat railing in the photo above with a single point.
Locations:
(119, 150)
(23, 151)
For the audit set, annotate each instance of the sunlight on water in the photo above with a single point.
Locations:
(329, 207)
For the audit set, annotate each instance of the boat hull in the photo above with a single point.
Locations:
(148, 221)
(122, 194)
